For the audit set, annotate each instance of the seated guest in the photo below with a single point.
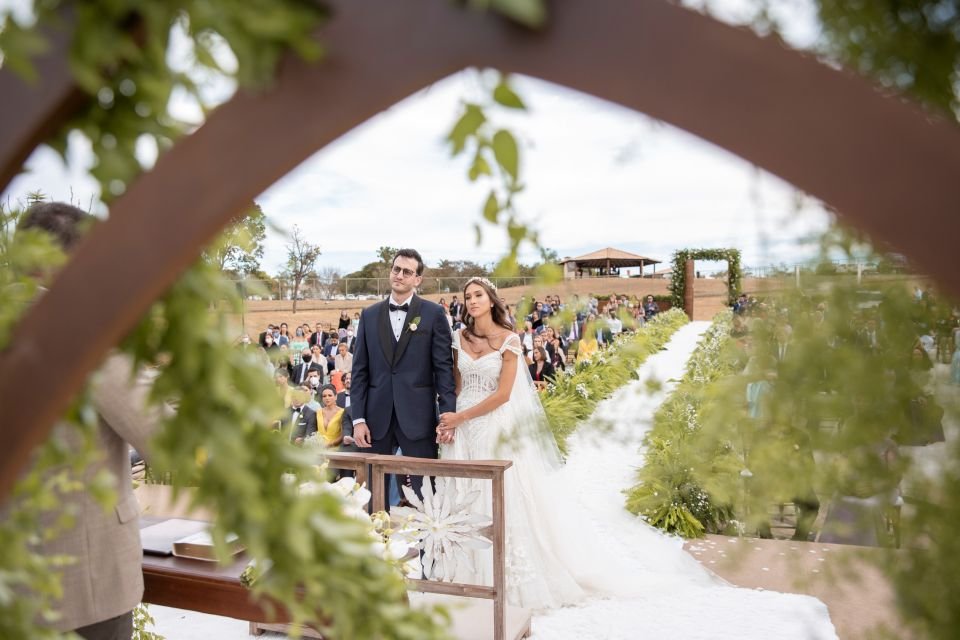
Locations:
(556, 349)
(284, 338)
(526, 337)
(541, 370)
(330, 351)
(263, 336)
(587, 346)
(536, 321)
(301, 420)
(281, 378)
(343, 361)
(299, 373)
(330, 417)
(650, 308)
(318, 338)
(312, 386)
(343, 398)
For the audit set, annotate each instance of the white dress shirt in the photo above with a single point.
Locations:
(398, 317)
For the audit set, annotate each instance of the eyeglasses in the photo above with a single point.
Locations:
(407, 273)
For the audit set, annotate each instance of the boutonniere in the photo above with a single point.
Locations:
(415, 324)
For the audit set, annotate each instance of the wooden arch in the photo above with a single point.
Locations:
(887, 166)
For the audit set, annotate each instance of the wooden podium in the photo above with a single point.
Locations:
(479, 612)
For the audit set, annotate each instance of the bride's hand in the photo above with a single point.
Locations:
(450, 420)
(444, 435)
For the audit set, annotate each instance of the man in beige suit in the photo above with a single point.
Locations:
(105, 583)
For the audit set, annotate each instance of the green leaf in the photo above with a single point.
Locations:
(479, 168)
(491, 208)
(505, 151)
(505, 96)
(468, 124)
(531, 13)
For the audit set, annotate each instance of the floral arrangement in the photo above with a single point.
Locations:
(575, 393)
(669, 493)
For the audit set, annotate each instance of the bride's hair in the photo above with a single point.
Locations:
(498, 312)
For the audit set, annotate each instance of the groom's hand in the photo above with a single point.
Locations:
(361, 435)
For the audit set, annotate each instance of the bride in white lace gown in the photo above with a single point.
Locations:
(556, 553)
(500, 417)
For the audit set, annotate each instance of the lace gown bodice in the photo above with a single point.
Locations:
(536, 578)
(479, 379)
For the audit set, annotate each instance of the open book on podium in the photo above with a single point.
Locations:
(182, 538)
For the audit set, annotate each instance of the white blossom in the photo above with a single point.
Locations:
(443, 527)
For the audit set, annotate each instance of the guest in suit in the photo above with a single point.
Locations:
(343, 398)
(330, 351)
(650, 308)
(541, 370)
(301, 419)
(456, 308)
(299, 373)
(318, 338)
(105, 582)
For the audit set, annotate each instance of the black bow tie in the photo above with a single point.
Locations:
(296, 409)
(399, 307)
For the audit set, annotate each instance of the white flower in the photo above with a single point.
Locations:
(583, 391)
(442, 526)
(355, 496)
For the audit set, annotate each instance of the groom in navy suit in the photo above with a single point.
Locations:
(402, 369)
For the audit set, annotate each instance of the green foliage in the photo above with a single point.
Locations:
(226, 405)
(316, 552)
(496, 148)
(141, 620)
(118, 57)
(678, 280)
(574, 394)
(670, 492)
(911, 45)
(34, 512)
(239, 249)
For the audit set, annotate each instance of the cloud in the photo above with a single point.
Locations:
(596, 174)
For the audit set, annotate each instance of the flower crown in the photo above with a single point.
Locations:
(481, 280)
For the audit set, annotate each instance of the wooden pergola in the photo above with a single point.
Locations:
(605, 260)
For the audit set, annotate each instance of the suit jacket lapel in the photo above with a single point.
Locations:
(387, 341)
(405, 334)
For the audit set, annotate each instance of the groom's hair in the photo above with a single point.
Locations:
(64, 222)
(410, 253)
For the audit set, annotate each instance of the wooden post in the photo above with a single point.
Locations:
(499, 559)
(688, 284)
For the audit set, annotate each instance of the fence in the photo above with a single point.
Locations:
(357, 288)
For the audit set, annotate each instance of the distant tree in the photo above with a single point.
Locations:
(302, 258)
(329, 281)
(386, 255)
(239, 249)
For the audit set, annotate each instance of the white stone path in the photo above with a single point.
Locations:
(671, 595)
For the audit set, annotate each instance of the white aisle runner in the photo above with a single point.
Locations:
(675, 597)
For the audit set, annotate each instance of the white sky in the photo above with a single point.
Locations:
(597, 175)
